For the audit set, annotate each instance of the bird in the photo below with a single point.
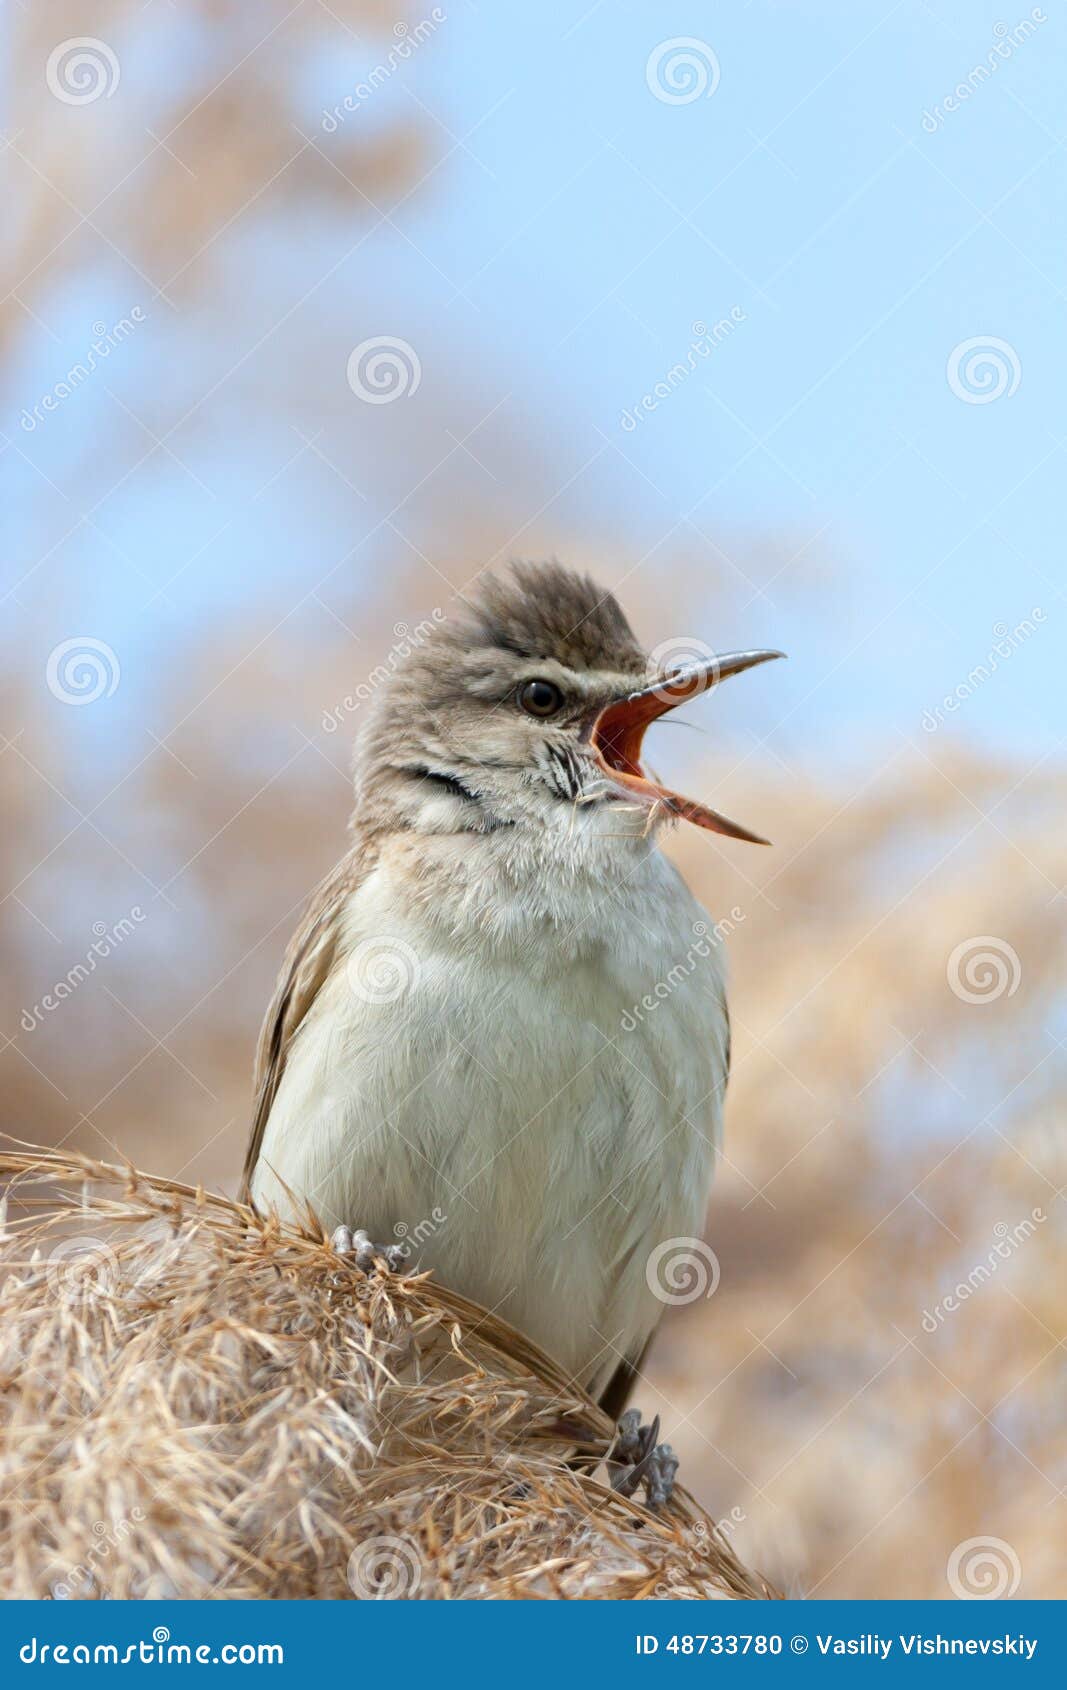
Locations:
(455, 1060)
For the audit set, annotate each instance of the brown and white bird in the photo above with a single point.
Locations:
(446, 1058)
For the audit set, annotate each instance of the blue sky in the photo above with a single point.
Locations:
(569, 229)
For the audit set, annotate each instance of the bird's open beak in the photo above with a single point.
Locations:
(618, 731)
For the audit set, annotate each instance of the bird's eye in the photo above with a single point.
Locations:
(540, 698)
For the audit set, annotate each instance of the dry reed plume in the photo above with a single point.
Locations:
(199, 1402)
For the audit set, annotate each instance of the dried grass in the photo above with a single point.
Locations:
(198, 1402)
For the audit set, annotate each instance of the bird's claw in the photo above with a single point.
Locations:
(365, 1254)
(632, 1440)
(641, 1460)
(659, 1476)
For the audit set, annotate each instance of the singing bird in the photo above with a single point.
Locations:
(452, 1056)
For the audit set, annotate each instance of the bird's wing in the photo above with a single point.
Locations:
(616, 1393)
(308, 961)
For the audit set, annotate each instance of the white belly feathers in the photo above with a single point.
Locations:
(496, 1103)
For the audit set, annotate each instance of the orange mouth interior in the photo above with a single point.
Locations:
(617, 736)
(618, 742)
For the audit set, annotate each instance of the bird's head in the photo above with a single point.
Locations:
(530, 709)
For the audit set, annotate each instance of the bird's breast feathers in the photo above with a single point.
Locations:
(530, 1095)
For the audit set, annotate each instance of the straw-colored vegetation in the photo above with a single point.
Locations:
(198, 1402)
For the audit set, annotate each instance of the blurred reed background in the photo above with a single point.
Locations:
(762, 324)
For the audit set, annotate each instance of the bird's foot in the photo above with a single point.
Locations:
(365, 1254)
(641, 1460)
